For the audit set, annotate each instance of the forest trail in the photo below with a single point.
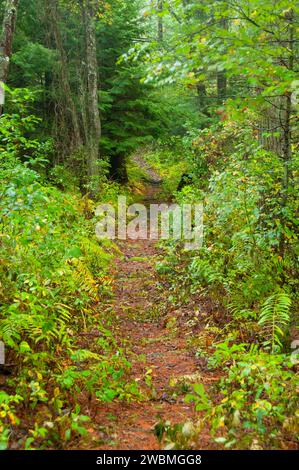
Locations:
(188, 343)
(144, 325)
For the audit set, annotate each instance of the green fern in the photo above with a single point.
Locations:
(274, 317)
(17, 326)
(203, 271)
(84, 278)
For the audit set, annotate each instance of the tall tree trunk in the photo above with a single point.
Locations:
(6, 39)
(202, 98)
(221, 76)
(221, 87)
(52, 8)
(94, 122)
(160, 21)
(287, 134)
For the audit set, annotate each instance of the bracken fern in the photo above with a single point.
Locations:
(274, 318)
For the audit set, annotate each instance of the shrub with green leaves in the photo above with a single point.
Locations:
(253, 405)
(256, 394)
(53, 275)
(252, 285)
(240, 264)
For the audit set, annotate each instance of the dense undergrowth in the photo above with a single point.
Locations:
(55, 280)
(249, 338)
(206, 94)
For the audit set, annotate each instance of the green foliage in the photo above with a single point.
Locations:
(15, 127)
(53, 274)
(57, 274)
(168, 160)
(240, 264)
(274, 318)
(253, 405)
(258, 393)
(175, 437)
(62, 429)
(128, 123)
(201, 49)
(225, 352)
(35, 61)
(194, 103)
(7, 416)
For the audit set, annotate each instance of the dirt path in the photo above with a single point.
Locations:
(144, 325)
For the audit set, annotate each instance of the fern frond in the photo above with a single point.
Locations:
(17, 324)
(84, 278)
(203, 271)
(274, 318)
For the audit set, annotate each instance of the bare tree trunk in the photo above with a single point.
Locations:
(6, 39)
(94, 122)
(52, 7)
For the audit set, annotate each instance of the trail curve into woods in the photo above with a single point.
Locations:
(144, 323)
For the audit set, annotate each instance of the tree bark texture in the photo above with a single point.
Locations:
(6, 38)
(94, 122)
